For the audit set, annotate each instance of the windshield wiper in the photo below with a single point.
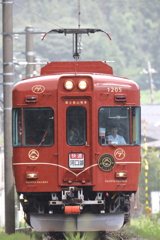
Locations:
(109, 142)
(43, 138)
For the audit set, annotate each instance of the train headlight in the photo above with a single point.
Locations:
(82, 85)
(31, 175)
(121, 174)
(69, 85)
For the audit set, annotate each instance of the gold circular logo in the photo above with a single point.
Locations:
(106, 162)
(119, 154)
(38, 89)
(33, 154)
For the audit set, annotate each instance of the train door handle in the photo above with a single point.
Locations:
(87, 144)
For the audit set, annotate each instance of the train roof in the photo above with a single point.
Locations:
(101, 72)
(77, 66)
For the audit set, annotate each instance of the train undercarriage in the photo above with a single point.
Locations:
(76, 209)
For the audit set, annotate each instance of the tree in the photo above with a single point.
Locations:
(133, 25)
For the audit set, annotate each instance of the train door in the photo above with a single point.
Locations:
(74, 141)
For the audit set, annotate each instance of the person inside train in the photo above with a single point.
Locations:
(114, 137)
(74, 133)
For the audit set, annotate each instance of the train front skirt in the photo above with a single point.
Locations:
(77, 222)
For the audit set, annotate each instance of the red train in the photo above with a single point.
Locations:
(76, 146)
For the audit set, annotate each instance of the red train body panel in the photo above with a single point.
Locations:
(94, 174)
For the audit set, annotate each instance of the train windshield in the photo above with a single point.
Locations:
(76, 125)
(33, 126)
(119, 125)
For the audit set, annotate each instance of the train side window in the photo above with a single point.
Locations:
(136, 130)
(33, 126)
(17, 127)
(114, 125)
(76, 125)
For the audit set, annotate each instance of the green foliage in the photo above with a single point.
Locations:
(81, 236)
(17, 236)
(133, 26)
(75, 236)
(36, 235)
(145, 227)
(146, 97)
(21, 235)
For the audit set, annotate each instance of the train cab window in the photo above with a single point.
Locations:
(76, 125)
(119, 126)
(114, 125)
(33, 127)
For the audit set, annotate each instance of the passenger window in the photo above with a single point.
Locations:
(33, 127)
(76, 125)
(136, 120)
(114, 125)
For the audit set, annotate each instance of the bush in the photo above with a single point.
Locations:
(147, 227)
(81, 236)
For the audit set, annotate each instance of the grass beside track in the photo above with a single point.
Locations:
(40, 236)
(16, 236)
(146, 227)
(22, 236)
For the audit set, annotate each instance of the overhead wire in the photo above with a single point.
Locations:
(37, 15)
(79, 14)
(29, 12)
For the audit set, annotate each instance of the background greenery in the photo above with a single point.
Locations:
(134, 26)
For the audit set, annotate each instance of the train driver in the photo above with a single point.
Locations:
(114, 137)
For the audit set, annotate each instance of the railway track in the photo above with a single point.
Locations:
(98, 236)
(93, 236)
(117, 235)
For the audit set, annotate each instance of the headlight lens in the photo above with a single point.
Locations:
(82, 85)
(69, 85)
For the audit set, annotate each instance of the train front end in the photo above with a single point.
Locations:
(71, 174)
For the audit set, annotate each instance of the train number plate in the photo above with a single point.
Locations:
(76, 160)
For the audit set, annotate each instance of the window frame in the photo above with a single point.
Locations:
(15, 133)
(68, 123)
(130, 134)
